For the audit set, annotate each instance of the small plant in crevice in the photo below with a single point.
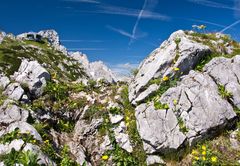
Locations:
(158, 105)
(182, 126)
(66, 160)
(224, 93)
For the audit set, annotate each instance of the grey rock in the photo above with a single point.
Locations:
(122, 137)
(24, 127)
(161, 63)
(4, 81)
(15, 144)
(10, 112)
(197, 102)
(105, 145)
(53, 39)
(234, 140)
(115, 118)
(154, 159)
(14, 91)
(225, 72)
(2, 36)
(158, 129)
(151, 89)
(99, 70)
(33, 75)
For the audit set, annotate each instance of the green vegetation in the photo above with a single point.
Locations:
(26, 158)
(12, 51)
(224, 93)
(158, 105)
(182, 125)
(66, 160)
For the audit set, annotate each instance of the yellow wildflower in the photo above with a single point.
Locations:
(214, 159)
(175, 102)
(27, 132)
(46, 141)
(176, 69)
(194, 152)
(204, 153)
(34, 141)
(127, 124)
(127, 118)
(204, 147)
(204, 158)
(165, 78)
(105, 157)
(196, 158)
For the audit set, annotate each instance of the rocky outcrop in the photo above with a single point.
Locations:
(32, 75)
(176, 56)
(53, 39)
(95, 70)
(4, 81)
(196, 110)
(2, 35)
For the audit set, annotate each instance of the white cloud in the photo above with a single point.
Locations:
(116, 10)
(123, 68)
(230, 26)
(124, 33)
(214, 4)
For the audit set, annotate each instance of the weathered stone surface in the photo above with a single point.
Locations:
(164, 59)
(225, 72)
(99, 70)
(154, 159)
(14, 91)
(2, 35)
(196, 101)
(53, 39)
(24, 127)
(15, 144)
(32, 74)
(115, 118)
(122, 137)
(4, 81)
(152, 88)
(158, 129)
(9, 113)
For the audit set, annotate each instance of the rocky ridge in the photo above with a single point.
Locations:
(57, 108)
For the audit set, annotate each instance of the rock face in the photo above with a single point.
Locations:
(14, 91)
(53, 39)
(4, 81)
(229, 76)
(195, 104)
(33, 75)
(179, 51)
(96, 70)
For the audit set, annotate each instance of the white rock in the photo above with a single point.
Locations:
(14, 91)
(115, 118)
(154, 159)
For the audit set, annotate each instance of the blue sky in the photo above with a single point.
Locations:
(119, 32)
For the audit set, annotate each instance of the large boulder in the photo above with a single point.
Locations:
(32, 75)
(178, 52)
(196, 111)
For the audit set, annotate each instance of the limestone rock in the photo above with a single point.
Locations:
(24, 127)
(122, 138)
(179, 51)
(154, 159)
(14, 91)
(99, 70)
(225, 72)
(4, 81)
(10, 112)
(115, 118)
(33, 75)
(2, 35)
(158, 129)
(53, 39)
(15, 144)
